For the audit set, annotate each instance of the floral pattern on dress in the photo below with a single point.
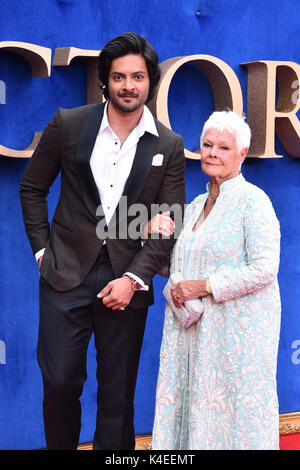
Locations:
(217, 380)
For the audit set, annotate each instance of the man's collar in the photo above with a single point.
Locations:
(104, 123)
(145, 124)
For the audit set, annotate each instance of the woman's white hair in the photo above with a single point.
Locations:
(230, 122)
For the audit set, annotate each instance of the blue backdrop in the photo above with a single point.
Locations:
(235, 31)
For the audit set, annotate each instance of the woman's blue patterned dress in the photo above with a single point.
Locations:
(217, 381)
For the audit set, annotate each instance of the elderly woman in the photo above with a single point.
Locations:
(217, 380)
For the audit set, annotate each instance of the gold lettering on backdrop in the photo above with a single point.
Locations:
(224, 83)
(64, 56)
(265, 116)
(39, 59)
(25, 153)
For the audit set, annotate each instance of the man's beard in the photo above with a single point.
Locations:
(126, 108)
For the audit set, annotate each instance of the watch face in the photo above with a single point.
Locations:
(134, 284)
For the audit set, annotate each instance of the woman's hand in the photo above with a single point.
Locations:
(161, 224)
(187, 290)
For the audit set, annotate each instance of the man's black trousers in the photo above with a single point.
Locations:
(67, 320)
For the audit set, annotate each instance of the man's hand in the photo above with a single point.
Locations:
(117, 293)
(39, 263)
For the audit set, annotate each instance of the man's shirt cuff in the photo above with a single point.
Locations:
(39, 253)
(138, 280)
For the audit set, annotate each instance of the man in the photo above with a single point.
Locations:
(91, 281)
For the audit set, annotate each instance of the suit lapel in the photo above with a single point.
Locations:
(139, 172)
(85, 147)
(137, 177)
(140, 168)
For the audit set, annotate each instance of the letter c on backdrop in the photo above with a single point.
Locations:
(39, 59)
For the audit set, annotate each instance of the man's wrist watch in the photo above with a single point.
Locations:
(134, 284)
(208, 287)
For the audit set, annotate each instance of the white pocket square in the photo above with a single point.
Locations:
(158, 159)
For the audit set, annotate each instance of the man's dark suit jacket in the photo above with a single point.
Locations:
(72, 245)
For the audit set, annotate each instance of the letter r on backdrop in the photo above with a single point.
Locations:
(266, 114)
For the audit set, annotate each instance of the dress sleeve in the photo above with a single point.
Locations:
(262, 247)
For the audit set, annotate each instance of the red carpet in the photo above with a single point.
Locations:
(290, 442)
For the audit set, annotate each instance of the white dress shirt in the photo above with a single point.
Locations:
(111, 167)
(111, 163)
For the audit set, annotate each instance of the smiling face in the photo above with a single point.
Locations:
(128, 83)
(220, 157)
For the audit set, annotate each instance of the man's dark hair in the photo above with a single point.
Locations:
(128, 43)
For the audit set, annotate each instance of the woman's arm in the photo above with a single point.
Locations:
(183, 290)
(262, 245)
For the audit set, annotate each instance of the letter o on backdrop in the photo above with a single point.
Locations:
(224, 83)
